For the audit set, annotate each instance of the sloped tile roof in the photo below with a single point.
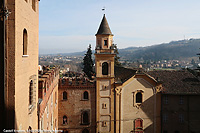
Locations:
(123, 74)
(177, 82)
(104, 28)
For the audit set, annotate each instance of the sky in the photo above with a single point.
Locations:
(67, 26)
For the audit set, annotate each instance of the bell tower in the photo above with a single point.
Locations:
(104, 66)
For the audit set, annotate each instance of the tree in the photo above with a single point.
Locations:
(117, 63)
(88, 63)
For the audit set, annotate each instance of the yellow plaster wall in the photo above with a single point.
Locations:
(129, 110)
(26, 67)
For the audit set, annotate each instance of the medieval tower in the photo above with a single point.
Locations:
(21, 64)
(104, 65)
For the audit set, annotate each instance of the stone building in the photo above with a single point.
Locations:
(180, 101)
(126, 99)
(48, 98)
(76, 105)
(21, 64)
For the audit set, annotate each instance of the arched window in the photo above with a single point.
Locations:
(138, 125)
(85, 131)
(31, 92)
(29, 129)
(85, 118)
(25, 42)
(64, 119)
(139, 97)
(105, 68)
(64, 95)
(85, 95)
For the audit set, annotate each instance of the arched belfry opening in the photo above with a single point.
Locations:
(105, 68)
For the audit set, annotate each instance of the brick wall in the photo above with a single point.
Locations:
(75, 105)
(48, 99)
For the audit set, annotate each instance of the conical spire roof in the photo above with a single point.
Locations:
(104, 28)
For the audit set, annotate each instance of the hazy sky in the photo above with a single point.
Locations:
(70, 25)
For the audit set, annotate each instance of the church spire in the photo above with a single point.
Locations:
(104, 28)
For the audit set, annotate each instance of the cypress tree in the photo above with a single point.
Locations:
(88, 63)
(117, 63)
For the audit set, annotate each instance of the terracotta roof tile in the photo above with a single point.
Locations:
(123, 74)
(177, 82)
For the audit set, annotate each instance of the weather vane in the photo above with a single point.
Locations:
(103, 9)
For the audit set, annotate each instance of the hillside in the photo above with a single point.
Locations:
(182, 49)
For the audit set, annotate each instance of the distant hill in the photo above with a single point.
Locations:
(181, 49)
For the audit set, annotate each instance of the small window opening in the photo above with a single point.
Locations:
(25, 42)
(31, 92)
(64, 95)
(104, 124)
(105, 42)
(104, 106)
(65, 119)
(85, 117)
(85, 95)
(29, 129)
(139, 97)
(105, 68)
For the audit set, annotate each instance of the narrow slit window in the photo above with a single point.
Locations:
(31, 93)
(64, 95)
(25, 42)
